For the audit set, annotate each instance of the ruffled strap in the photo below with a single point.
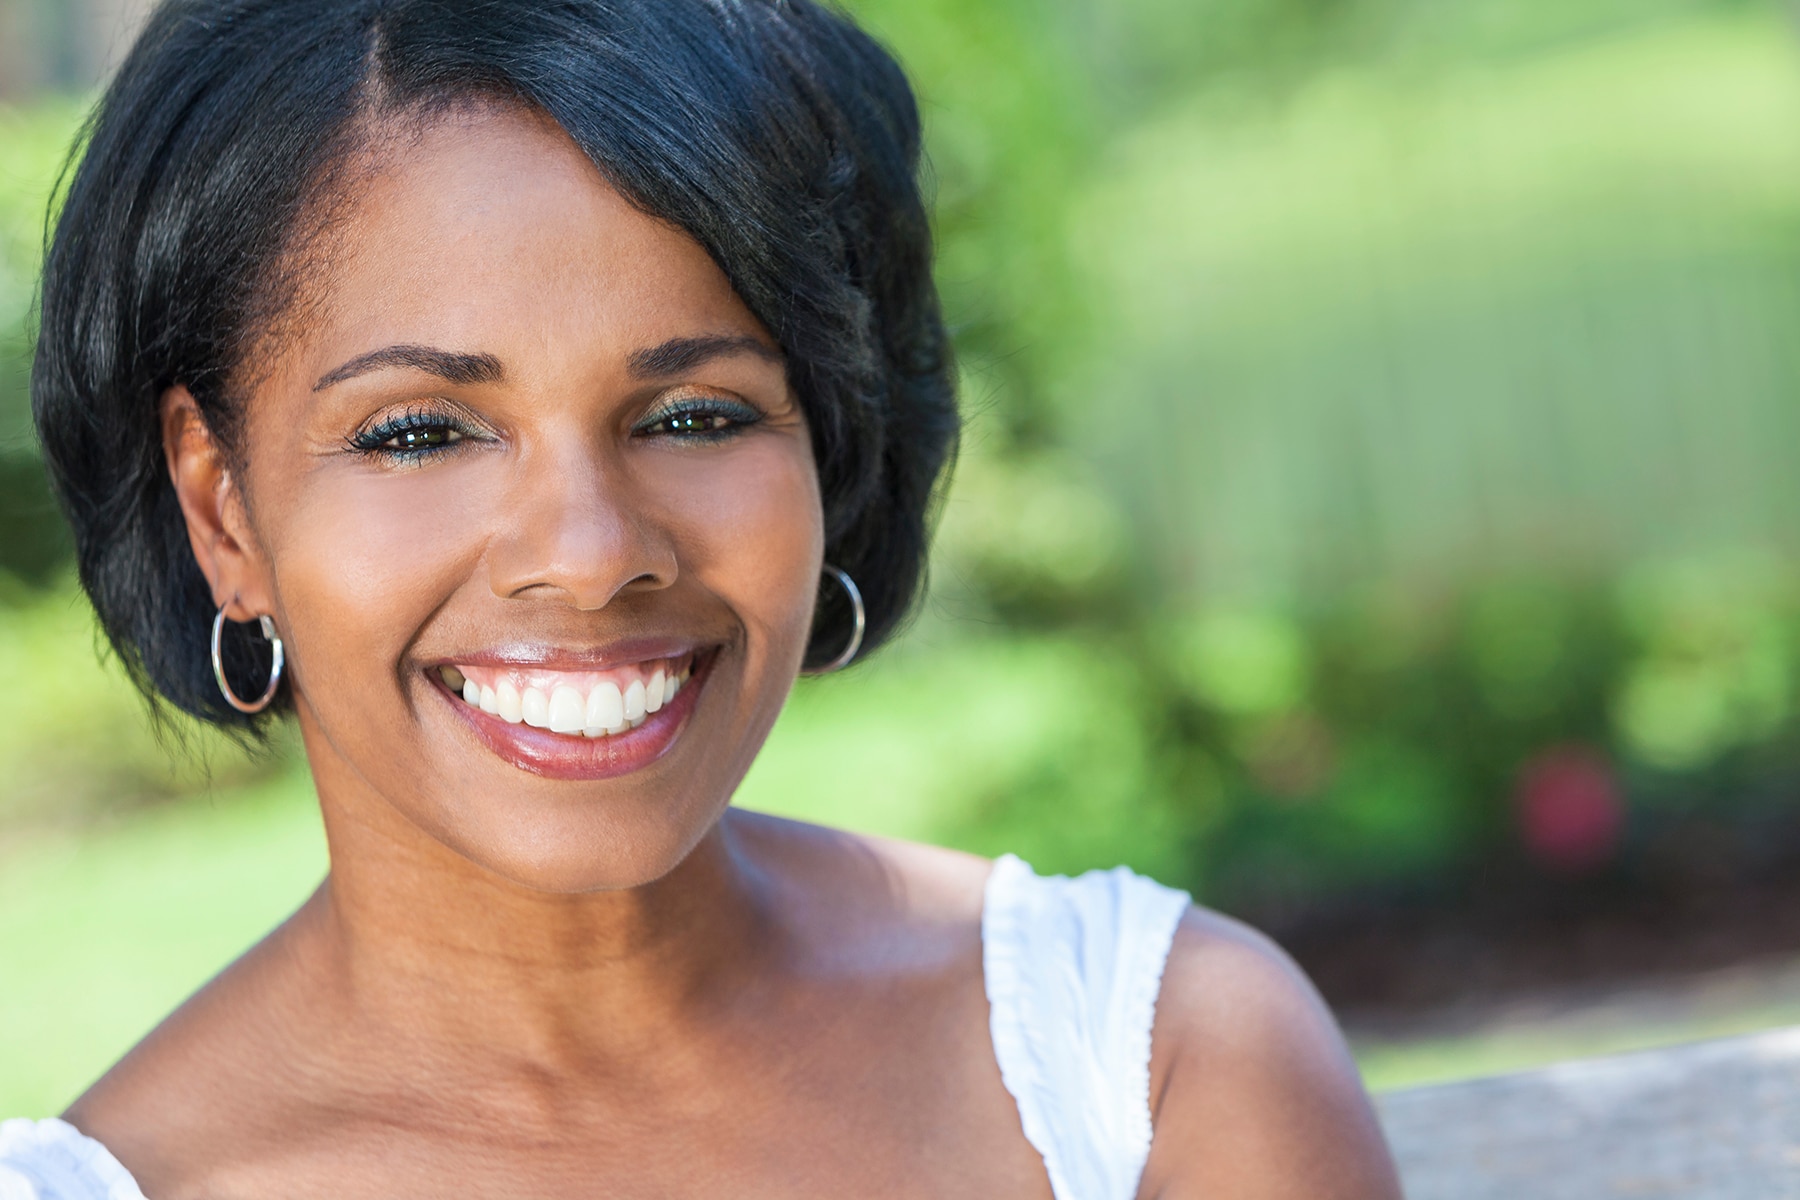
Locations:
(53, 1160)
(1073, 968)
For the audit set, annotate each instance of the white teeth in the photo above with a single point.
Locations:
(508, 704)
(566, 711)
(605, 710)
(534, 706)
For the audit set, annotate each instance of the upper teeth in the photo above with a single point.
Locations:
(561, 708)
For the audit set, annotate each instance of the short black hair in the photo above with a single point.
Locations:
(781, 137)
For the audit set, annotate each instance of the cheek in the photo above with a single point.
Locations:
(750, 531)
(368, 567)
(364, 560)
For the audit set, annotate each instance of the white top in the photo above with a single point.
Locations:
(1073, 968)
(52, 1160)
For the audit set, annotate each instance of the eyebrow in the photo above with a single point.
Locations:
(669, 358)
(445, 364)
(684, 354)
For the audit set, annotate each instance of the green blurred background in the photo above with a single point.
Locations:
(1376, 516)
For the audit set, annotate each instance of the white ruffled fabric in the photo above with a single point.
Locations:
(1073, 970)
(53, 1160)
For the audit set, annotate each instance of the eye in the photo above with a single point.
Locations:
(423, 439)
(410, 435)
(694, 422)
(698, 418)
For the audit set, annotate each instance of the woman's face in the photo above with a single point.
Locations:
(534, 509)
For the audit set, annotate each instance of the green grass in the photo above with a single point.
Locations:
(103, 931)
(78, 744)
(1413, 1062)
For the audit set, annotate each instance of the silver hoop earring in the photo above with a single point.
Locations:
(860, 621)
(218, 664)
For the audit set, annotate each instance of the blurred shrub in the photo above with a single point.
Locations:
(33, 542)
(1041, 744)
(76, 739)
(1714, 672)
(1031, 537)
(1401, 321)
(1384, 745)
(1240, 663)
(1428, 361)
(1365, 396)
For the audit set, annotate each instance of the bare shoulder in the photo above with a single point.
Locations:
(1253, 1092)
(198, 1083)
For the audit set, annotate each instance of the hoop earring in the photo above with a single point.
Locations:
(860, 622)
(218, 665)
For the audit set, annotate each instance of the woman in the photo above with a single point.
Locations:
(498, 387)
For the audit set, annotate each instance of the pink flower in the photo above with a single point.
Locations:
(1570, 809)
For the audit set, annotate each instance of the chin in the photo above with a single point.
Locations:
(572, 853)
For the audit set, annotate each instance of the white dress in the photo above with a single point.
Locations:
(1073, 968)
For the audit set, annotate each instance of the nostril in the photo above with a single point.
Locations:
(585, 556)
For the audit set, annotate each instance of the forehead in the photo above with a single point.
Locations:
(488, 229)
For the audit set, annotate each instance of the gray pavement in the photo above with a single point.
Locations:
(1719, 1120)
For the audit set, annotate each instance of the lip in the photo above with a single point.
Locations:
(613, 654)
(559, 756)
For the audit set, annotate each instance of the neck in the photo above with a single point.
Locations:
(415, 939)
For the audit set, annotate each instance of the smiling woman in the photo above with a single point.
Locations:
(522, 395)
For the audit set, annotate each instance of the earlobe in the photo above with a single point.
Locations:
(207, 494)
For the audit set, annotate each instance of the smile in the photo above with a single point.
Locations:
(588, 704)
(572, 719)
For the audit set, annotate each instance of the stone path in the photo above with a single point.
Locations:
(1715, 1120)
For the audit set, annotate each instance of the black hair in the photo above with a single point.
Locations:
(776, 133)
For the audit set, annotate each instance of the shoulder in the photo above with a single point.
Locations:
(1253, 1092)
(215, 1073)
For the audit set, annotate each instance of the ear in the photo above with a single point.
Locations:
(217, 522)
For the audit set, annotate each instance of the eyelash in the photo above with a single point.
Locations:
(724, 419)
(729, 418)
(417, 423)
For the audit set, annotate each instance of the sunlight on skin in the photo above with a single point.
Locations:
(542, 959)
(517, 941)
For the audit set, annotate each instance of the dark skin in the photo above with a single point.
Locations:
(515, 985)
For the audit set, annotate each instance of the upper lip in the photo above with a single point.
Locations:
(622, 653)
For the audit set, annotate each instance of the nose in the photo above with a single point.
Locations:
(573, 527)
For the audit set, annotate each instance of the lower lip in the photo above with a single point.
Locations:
(559, 756)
